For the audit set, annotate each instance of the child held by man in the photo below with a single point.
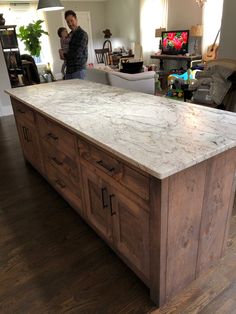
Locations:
(64, 41)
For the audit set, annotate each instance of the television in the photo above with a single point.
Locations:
(175, 42)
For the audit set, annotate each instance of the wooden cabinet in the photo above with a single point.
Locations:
(28, 134)
(131, 231)
(96, 196)
(29, 141)
(11, 53)
(121, 221)
(169, 231)
(59, 155)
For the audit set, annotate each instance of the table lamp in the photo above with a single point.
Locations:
(196, 31)
(158, 34)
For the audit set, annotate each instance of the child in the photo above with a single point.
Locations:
(64, 40)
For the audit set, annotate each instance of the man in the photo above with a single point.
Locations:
(77, 54)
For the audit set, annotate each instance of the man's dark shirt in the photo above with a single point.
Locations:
(77, 55)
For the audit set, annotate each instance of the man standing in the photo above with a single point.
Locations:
(77, 55)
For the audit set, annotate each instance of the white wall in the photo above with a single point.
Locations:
(123, 19)
(182, 14)
(5, 105)
(54, 21)
(227, 48)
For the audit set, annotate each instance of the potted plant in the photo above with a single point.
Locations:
(30, 36)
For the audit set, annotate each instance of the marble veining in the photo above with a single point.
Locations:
(159, 135)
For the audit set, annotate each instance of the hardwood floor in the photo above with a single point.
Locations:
(50, 260)
(53, 262)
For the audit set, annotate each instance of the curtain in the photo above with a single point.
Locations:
(212, 15)
(153, 14)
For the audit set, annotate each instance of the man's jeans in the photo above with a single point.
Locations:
(76, 75)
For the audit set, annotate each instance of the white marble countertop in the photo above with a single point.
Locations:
(159, 135)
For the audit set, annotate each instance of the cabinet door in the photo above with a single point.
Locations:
(131, 230)
(96, 200)
(30, 143)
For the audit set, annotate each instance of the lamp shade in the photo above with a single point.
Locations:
(158, 31)
(196, 30)
(50, 5)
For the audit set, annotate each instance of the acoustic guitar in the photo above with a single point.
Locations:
(212, 50)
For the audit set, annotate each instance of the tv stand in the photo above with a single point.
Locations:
(163, 57)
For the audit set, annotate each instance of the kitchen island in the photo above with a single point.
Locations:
(155, 178)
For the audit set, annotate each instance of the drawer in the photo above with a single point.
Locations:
(21, 111)
(126, 175)
(69, 190)
(63, 163)
(136, 182)
(100, 159)
(57, 136)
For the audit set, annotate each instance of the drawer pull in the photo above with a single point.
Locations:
(27, 135)
(111, 208)
(20, 110)
(24, 133)
(100, 163)
(103, 198)
(51, 135)
(61, 185)
(59, 163)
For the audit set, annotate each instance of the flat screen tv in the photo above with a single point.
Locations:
(175, 42)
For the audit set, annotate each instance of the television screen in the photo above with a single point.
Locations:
(175, 42)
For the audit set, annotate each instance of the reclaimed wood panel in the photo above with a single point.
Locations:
(186, 191)
(217, 207)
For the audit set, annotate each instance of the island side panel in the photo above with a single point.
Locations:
(185, 199)
(158, 238)
(217, 208)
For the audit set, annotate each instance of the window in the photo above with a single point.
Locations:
(22, 14)
(212, 15)
(153, 15)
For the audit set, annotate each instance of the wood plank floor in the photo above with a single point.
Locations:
(52, 262)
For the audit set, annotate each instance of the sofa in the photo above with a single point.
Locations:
(216, 85)
(141, 82)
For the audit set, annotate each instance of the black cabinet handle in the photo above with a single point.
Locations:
(103, 198)
(27, 134)
(59, 163)
(111, 208)
(24, 133)
(51, 135)
(20, 110)
(100, 163)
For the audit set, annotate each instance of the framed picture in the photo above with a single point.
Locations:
(13, 60)
(8, 39)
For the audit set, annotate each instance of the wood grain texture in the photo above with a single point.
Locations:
(186, 191)
(217, 208)
(56, 135)
(133, 179)
(158, 239)
(180, 210)
(213, 292)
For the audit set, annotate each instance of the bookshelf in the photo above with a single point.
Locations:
(11, 53)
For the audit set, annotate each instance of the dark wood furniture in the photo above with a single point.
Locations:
(163, 57)
(102, 56)
(169, 231)
(11, 52)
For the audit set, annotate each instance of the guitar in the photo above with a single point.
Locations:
(212, 50)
